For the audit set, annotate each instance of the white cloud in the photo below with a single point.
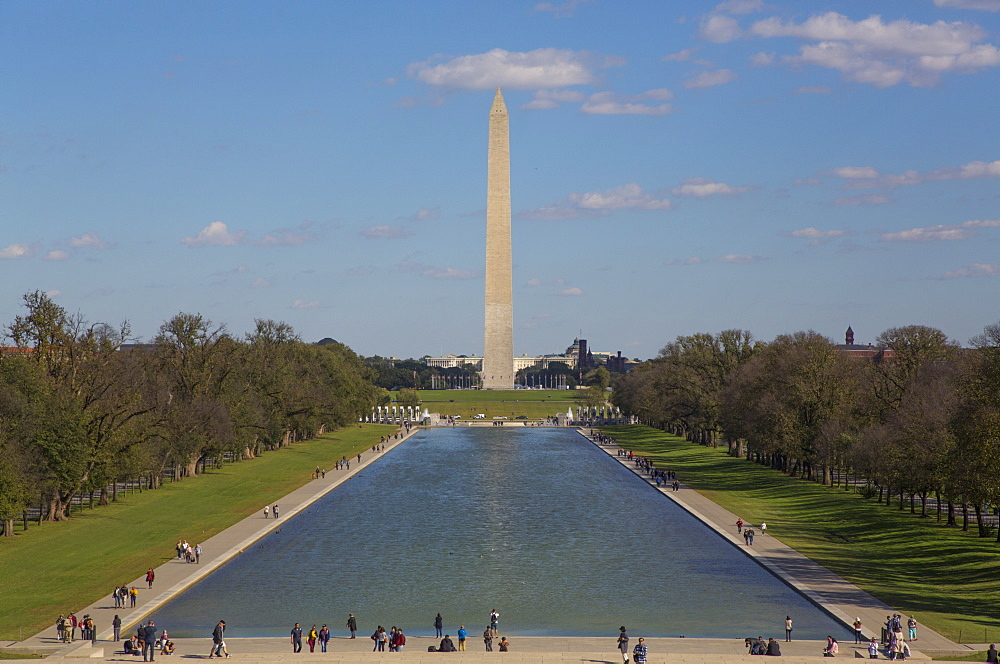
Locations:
(974, 270)
(215, 233)
(740, 6)
(609, 103)
(89, 240)
(708, 79)
(561, 10)
(56, 255)
(424, 214)
(720, 29)
(762, 59)
(18, 250)
(867, 177)
(288, 237)
(386, 232)
(54, 293)
(571, 292)
(870, 199)
(741, 259)
(260, 282)
(884, 54)
(546, 99)
(705, 187)
(985, 5)
(940, 232)
(531, 70)
(598, 204)
(432, 272)
(816, 234)
(679, 56)
(303, 304)
(533, 283)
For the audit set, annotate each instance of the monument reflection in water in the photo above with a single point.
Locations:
(535, 522)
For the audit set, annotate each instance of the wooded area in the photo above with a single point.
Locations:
(917, 418)
(83, 408)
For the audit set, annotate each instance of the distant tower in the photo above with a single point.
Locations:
(498, 349)
(850, 336)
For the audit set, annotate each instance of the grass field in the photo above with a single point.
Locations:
(533, 404)
(948, 579)
(58, 567)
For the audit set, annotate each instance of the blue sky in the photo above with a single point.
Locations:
(675, 167)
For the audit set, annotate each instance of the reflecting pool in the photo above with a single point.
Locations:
(535, 522)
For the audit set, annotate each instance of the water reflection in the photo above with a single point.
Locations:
(536, 523)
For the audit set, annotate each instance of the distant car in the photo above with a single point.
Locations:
(456, 417)
(479, 416)
(521, 417)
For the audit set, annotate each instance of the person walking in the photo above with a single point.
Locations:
(275, 510)
(150, 576)
(197, 553)
(739, 525)
(911, 624)
(750, 533)
(763, 528)
(324, 638)
(219, 640)
(488, 639)
(640, 651)
(116, 624)
(788, 629)
(311, 639)
(352, 625)
(267, 509)
(623, 643)
(296, 638)
(462, 633)
(438, 626)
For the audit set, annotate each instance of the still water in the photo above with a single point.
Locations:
(535, 522)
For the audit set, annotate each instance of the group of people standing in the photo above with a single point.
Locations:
(66, 627)
(639, 652)
(187, 552)
(125, 597)
(314, 636)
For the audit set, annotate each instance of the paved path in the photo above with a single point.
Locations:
(835, 595)
(175, 576)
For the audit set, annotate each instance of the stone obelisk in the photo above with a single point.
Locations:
(498, 350)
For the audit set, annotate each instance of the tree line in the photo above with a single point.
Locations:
(82, 406)
(915, 417)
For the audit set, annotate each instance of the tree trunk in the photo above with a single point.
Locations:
(923, 504)
(952, 521)
(979, 520)
(965, 517)
(8, 527)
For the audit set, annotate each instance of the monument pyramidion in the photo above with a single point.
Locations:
(498, 349)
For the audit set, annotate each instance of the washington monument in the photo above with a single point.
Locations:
(498, 350)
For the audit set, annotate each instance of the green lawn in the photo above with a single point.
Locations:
(948, 579)
(58, 567)
(534, 404)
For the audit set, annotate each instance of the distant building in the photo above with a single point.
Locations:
(867, 352)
